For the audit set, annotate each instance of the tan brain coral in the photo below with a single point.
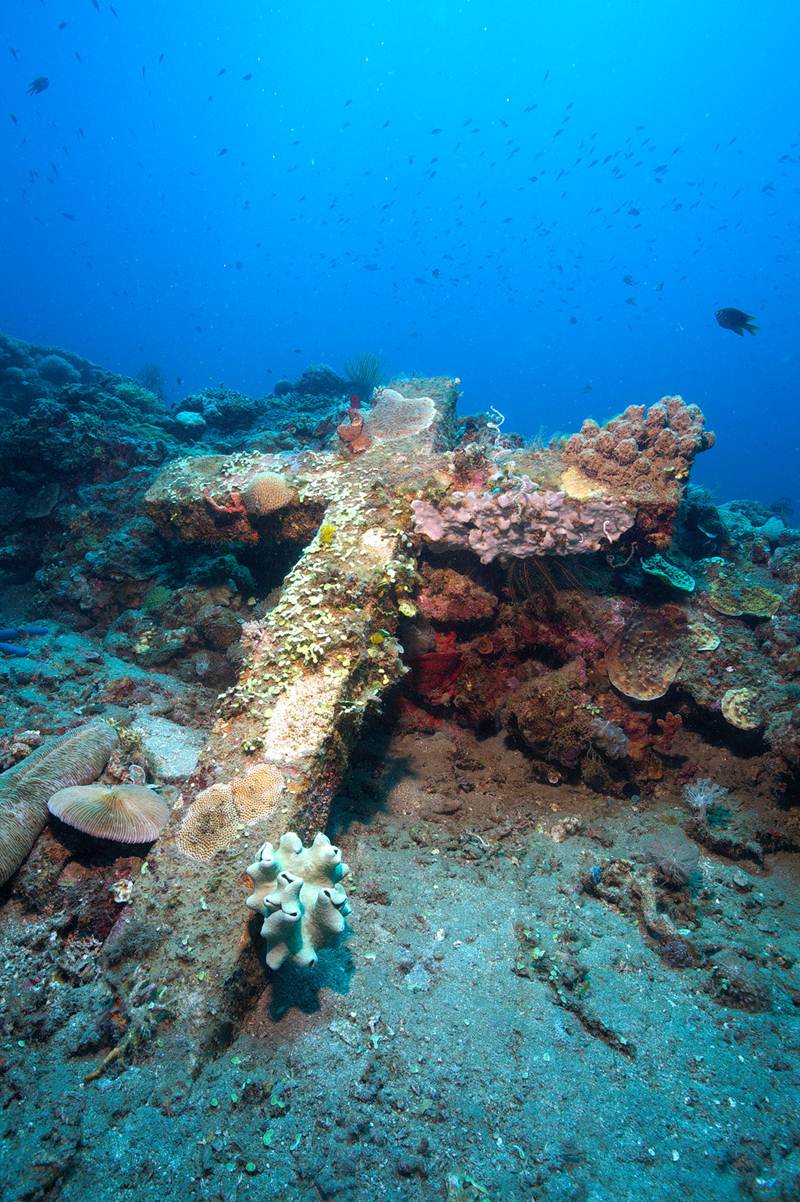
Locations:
(265, 493)
(211, 824)
(219, 812)
(257, 792)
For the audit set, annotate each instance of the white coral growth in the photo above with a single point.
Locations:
(299, 891)
(703, 794)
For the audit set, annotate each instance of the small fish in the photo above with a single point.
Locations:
(249, 75)
(736, 320)
(40, 84)
(221, 71)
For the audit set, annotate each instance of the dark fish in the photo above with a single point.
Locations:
(249, 75)
(40, 84)
(736, 320)
(221, 71)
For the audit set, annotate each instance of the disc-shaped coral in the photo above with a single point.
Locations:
(76, 758)
(645, 659)
(740, 707)
(657, 565)
(733, 593)
(124, 813)
(299, 892)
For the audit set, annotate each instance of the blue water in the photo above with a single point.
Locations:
(462, 186)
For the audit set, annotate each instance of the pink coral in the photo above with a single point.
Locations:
(522, 520)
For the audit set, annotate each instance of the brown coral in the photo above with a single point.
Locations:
(644, 455)
(454, 599)
(670, 429)
(645, 659)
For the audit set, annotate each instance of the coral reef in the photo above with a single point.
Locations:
(484, 664)
(299, 892)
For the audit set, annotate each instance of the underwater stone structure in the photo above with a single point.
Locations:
(328, 648)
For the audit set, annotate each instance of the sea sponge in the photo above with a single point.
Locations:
(395, 416)
(265, 493)
(521, 520)
(77, 758)
(645, 659)
(125, 813)
(299, 892)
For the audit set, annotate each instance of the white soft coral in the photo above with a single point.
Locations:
(703, 794)
(299, 891)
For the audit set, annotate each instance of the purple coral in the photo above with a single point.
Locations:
(522, 520)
